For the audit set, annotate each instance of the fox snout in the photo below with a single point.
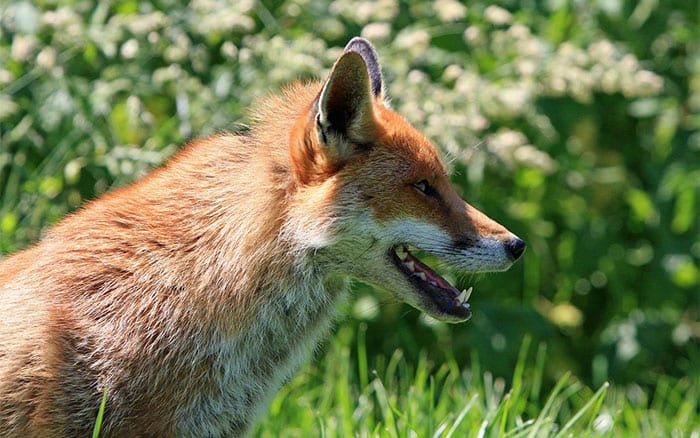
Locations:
(487, 245)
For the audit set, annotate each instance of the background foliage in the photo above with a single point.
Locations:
(576, 124)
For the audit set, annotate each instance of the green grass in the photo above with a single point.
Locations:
(345, 393)
(100, 415)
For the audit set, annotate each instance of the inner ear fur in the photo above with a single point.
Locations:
(369, 55)
(345, 105)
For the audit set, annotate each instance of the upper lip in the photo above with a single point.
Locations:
(440, 292)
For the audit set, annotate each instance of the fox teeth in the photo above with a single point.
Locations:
(401, 252)
(421, 276)
(410, 265)
(464, 296)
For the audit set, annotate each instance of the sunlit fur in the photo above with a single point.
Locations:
(195, 293)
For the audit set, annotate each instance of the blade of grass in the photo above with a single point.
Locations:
(100, 415)
(538, 374)
(513, 401)
(597, 399)
(385, 407)
(362, 355)
(461, 415)
(343, 391)
(482, 429)
(595, 413)
(542, 418)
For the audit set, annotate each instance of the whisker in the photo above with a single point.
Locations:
(369, 247)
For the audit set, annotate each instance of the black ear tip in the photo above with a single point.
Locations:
(369, 55)
(359, 44)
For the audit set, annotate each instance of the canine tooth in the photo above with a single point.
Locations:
(401, 252)
(410, 265)
(421, 276)
(464, 296)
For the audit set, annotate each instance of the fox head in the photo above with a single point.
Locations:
(384, 189)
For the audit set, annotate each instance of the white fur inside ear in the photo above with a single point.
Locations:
(322, 123)
(321, 116)
(321, 128)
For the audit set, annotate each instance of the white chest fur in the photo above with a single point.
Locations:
(246, 371)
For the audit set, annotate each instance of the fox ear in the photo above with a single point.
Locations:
(342, 116)
(345, 105)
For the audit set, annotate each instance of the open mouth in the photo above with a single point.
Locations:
(441, 293)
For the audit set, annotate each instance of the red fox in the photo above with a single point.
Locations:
(193, 294)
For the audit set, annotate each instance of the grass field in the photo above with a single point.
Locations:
(344, 393)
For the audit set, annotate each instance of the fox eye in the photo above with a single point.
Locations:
(424, 187)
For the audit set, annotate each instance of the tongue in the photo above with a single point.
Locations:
(419, 271)
(449, 299)
(432, 276)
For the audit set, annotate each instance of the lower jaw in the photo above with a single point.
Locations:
(448, 318)
(453, 315)
(438, 298)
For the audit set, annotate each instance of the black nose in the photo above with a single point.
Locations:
(516, 248)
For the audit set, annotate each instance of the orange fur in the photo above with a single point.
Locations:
(193, 294)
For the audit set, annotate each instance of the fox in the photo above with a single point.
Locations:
(191, 296)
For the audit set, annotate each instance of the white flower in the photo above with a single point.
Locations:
(142, 24)
(526, 67)
(450, 10)
(533, 157)
(647, 83)
(473, 35)
(415, 41)
(5, 76)
(602, 52)
(363, 12)
(8, 106)
(166, 74)
(229, 50)
(377, 32)
(46, 59)
(130, 48)
(519, 31)
(504, 142)
(515, 98)
(498, 16)
(23, 47)
(452, 72)
(478, 123)
(417, 77)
